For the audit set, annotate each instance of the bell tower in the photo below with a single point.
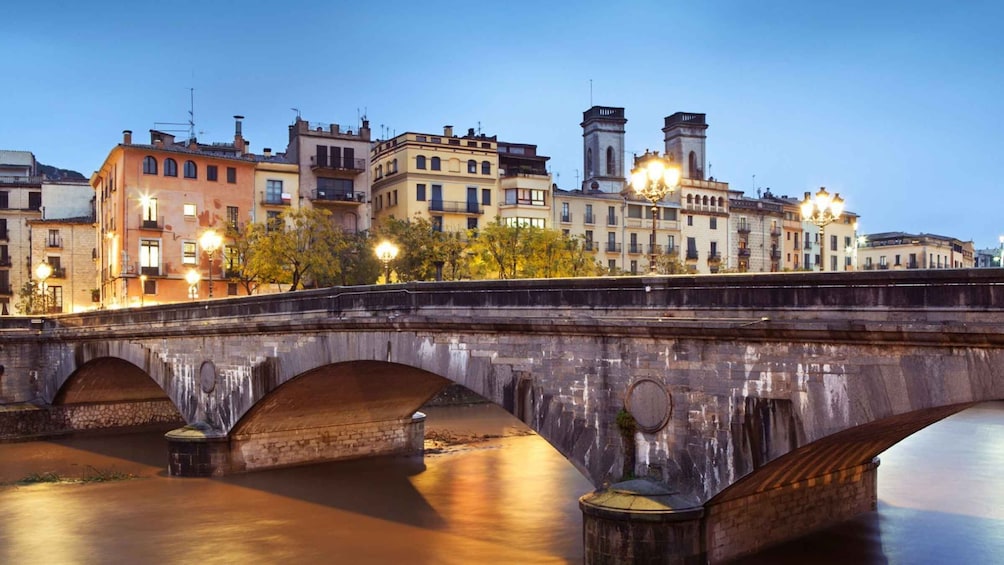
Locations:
(685, 136)
(603, 149)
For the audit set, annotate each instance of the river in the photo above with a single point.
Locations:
(492, 493)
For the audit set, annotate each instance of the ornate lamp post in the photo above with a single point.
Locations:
(822, 209)
(192, 278)
(653, 178)
(42, 272)
(210, 242)
(386, 252)
(142, 289)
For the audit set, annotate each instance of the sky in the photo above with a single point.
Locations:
(897, 106)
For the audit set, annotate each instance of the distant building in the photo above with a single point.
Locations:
(448, 179)
(899, 250)
(334, 171)
(69, 246)
(525, 190)
(989, 258)
(154, 202)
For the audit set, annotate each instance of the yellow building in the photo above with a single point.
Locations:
(447, 179)
(68, 246)
(276, 187)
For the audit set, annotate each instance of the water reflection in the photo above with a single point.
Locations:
(511, 499)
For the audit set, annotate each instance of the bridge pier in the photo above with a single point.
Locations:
(199, 451)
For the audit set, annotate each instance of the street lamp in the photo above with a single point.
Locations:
(142, 289)
(210, 241)
(1000, 257)
(42, 272)
(653, 178)
(192, 278)
(822, 209)
(386, 252)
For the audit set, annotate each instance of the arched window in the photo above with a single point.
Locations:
(705, 200)
(472, 166)
(611, 162)
(589, 162)
(434, 165)
(690, 199)
(149, 165)
(486, 167)
(191, 170)
(394, 166)
(692, 166)
(420, 162)
(721, 202)
(170, 167)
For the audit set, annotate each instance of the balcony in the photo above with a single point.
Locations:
(328, 195)
(590, 246)
(657, 249)
(692, 255)
(744, 251)
(634, 248)
(808, 245)
(150, 271)
(611, 220)
(282, 199)
(714, 257)
(4, 235)
(744, 228)
(337, 166)
(590, 218)
(147, 223)
(613, 247)
(566, 218)
(5, 261)
(775, 231)
(23, 181)
(775, 254)
(6, 290)
(58, 273)
(54, 243)
(455, 207)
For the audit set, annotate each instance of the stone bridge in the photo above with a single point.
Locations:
(758, 402)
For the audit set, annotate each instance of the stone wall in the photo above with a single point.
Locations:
(750, 524)
(27, 421)
(313, 445)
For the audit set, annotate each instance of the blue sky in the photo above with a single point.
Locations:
(896, 105)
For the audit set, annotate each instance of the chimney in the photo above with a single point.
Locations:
(470, 132)
(239, 142)
(267, 151)
(364, 132)
(127, 137)
(447, 131)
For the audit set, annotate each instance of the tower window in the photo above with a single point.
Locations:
(611, 162)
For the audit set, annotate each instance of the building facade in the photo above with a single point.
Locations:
(154, 203)
(899, 250)
(447, 179)
(525, 191)
(334, 171)
(69, 247)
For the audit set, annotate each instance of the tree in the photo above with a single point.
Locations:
(421, 247)
(359, 264)
(302, 249)
(241, 264)
(31, 300)
(520, 251)
(669, 264)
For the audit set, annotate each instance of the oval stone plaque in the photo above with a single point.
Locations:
(650, 404)
(207, 376)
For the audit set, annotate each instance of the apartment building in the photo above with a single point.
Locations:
(899, 250)
(68, 246)
(525, 192)
(154, 202)
(448, 179)
(334, 172)
(276, 187)
(756, 227)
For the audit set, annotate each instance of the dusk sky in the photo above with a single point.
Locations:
(895, 105)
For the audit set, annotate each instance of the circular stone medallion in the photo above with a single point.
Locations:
(207, 376)
(650, 404)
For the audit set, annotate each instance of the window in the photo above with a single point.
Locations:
(4, 200)
(189, 210)
(150, 286)
(191, 170)
(420, 192)
(232, 175)
(435, 164)
(565, 215)
(34, 200)
(272, 221)
(612, 265)
(232, 216)
(231, 259)
(532, 197)
(188, 253)
(149, 165)
(690, 220)
(149, 256)
(589, 214)
(611, 162)
(437, 223)
(486, 197)
(472, 166)
(420, 162)
(833, 243)
(520, 222)
(170, 167)
(472, 223)
(486, 167)
(211, 172)
(149, 212)
(713, 223)
(273, 191)
(53, 240)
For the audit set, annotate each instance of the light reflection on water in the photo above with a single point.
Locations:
(506, 500)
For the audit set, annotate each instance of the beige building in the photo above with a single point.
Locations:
(449, 180)
(524, 186)
(276, 187)
(840, 252)
(756, 226)
(898, 250)
(334, 166)
(69, 246)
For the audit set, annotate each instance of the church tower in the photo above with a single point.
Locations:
(685, 136)
(603, 149)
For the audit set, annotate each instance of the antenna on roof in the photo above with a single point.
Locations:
(590, 93)
(297, 110)
(191, 118)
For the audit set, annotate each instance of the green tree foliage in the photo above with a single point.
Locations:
(301, 249)
(509, 252)
(669, 264)
(31, 300)
(241, 265)
(420, 248)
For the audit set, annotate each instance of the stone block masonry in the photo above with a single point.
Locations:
(27, 421)
(752, 523)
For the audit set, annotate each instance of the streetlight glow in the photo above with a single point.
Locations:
(654, 178)
(210, 241)
(192, 277)
(42, 272)
(386, 252)
(822, 210)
